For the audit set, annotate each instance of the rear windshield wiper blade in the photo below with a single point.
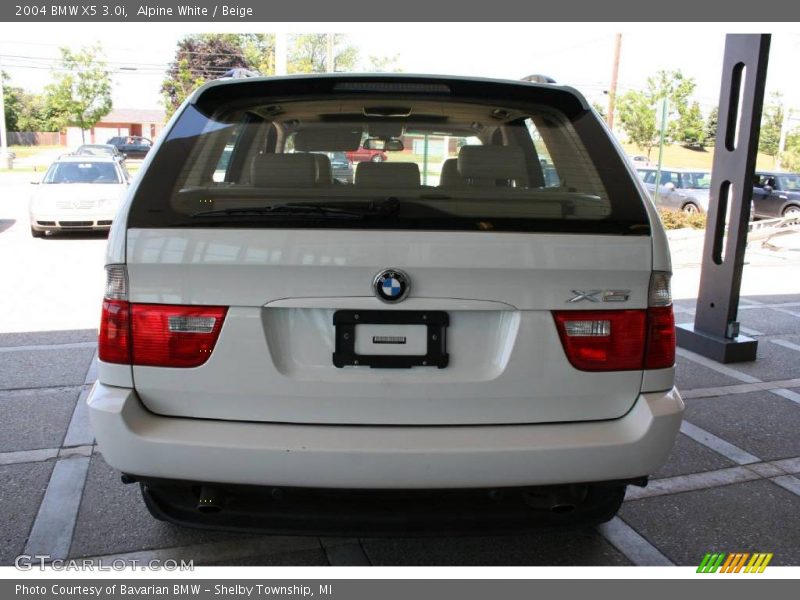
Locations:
(284, 210)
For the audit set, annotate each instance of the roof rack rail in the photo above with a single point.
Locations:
(539, 78)
(239, 73)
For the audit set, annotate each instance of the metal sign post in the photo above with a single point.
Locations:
(715, 333)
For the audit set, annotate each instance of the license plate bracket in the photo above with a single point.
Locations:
(436, 322)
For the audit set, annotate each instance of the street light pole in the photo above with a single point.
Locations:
(612, 90)
(3, 141)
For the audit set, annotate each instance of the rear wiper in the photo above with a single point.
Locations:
(386, 207)
(284, 210)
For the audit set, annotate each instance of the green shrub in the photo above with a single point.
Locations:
(674, 219)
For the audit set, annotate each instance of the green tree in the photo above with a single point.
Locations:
(690, 127)
(12, 102)
(677, 89)
(200, 58)
(790, 159)
(308, 53)
(80, 94)
(637, 116)
(771, 123)
(711, 126)
(601, 110)
(383, 64)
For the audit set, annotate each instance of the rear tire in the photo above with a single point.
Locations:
(792, 212)
(690, 208)
(377, 158)
(36, 233)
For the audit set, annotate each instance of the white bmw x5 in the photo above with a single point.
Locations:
(475, 334)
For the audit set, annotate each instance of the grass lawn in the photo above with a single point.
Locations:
(680, 157)
(26, 151)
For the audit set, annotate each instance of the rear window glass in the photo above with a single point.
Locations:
(82, 172)
(387, 162)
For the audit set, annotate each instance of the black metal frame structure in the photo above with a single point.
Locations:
(715, 332)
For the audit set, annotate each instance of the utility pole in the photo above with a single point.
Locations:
(784, 132)
(5, 157)
(281, 50)
(612, 91)
(329, 65)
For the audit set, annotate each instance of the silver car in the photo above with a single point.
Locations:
(679, 189)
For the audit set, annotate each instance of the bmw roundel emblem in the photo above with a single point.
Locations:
(391, 285)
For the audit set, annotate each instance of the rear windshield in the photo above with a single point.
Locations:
(82, 172)
(389, 161)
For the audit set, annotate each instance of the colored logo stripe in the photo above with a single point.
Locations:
(734, 562)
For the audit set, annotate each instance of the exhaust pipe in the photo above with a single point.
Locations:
(560, 499)
(209, 500)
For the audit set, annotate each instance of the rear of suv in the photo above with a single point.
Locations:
(456, 339)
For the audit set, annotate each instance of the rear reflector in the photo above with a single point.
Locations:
(174, 336)
(114, 343)
(603, 340)
(660, 353)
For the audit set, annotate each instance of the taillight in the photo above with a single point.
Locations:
(602, 340)
(114, 341)
(174, 336)
(158, 335)
(622, 340)
(660, 352)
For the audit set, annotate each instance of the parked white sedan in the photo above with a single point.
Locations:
(78, 193)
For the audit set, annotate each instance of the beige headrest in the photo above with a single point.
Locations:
(284, 170)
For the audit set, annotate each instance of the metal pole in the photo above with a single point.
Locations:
(612, 90)
(715, 332)
(662, 133)
(329, 62)
(3, 141)
(281, 51)
(425, 161)
(784, 133)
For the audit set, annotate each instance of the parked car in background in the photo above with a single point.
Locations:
(686, 190)
(132, 146)
(98, 150)
(640, 160)
(363, 154)
(78, 193)
(776, 194)
(341, 167)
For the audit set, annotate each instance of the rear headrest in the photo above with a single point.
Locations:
(492, 162)
(324, 172)
(374, 174)
(284, 170)
(450, 176)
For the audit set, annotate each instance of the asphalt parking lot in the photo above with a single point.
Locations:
(731, 484)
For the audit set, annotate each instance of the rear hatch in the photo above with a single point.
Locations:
(537, 216)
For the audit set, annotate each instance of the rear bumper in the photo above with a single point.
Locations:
(141, 443)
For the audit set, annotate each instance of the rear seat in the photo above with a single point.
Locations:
(284, 170)
(491, 166)
(324, 171)
(387, 175)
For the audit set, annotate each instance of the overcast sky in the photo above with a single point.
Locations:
(576, 54)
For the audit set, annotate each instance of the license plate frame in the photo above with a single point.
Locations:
(436, 322)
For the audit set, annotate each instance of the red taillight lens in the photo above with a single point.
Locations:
(174, 336)
(660, 352)
(114, 343)
(603, 340)
(618, 340)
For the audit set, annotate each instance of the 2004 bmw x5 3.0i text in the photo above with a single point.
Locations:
(450, 342)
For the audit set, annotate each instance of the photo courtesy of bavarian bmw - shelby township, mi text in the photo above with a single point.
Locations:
(296, 289)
